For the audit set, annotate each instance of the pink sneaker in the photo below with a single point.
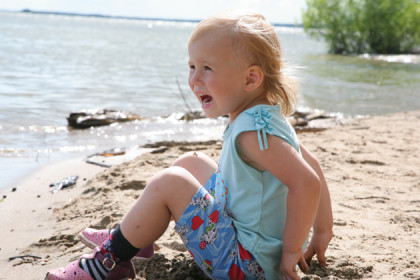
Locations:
(95, 237)
(122, 270)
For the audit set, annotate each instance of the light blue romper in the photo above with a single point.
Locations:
(234, 225)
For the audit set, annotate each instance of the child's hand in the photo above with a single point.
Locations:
(288, 265)
(318, 246)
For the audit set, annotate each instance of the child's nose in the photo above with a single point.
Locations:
(195, 78)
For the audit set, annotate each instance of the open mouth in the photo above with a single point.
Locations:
(206, 99)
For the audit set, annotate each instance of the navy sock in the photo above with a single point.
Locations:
(118, 247)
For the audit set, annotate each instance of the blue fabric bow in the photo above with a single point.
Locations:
(262, 122)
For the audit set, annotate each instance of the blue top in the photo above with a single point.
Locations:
(255, 200)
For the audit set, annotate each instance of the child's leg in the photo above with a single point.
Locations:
(198, 164)
(168, 193)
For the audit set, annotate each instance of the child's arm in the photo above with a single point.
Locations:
(285, 163)
(322, 228)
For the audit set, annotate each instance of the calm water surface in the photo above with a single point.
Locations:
(51, 65)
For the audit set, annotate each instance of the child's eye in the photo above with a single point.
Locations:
(207, 68)
(192, 67)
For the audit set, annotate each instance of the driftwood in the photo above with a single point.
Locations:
(99, 118)
(24, 257)
(302, 119)
(192, 115)
(107, 153)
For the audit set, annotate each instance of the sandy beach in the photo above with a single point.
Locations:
(372, 166)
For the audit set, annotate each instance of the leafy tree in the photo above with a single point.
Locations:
(365, 26)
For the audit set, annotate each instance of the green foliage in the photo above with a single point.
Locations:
(365, 26)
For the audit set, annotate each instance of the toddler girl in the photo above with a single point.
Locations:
(249, 216)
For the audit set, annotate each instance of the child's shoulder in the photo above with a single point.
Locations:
(260, 116)
(266, 120)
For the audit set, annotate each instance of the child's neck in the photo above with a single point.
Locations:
(258, 100)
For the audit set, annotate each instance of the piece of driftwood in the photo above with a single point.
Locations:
(192, 115)
(107, 153)
(98, 163)
(86, 119)
(302, 121)
(373, 197)
(24, 257)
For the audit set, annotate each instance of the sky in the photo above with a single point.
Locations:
(280, 11)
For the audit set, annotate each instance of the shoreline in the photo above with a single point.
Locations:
(371, 165)
(304, 120)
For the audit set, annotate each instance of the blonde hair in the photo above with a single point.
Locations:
(255, 39)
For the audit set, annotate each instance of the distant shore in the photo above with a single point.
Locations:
(132, 18)
(371, 165)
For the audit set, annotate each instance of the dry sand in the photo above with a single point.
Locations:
(372, 166)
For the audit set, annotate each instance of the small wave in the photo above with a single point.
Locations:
(67, 149)
(397, 58)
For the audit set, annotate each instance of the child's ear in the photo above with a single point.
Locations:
(255, 77)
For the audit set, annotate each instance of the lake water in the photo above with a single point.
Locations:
(51, 65)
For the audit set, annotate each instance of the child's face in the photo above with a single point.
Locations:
(217, 75)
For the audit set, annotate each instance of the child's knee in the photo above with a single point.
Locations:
(201, 166)
(194, 160)
(188, 157)
(169, 178)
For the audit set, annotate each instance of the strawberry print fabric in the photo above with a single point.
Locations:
(210, 237)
